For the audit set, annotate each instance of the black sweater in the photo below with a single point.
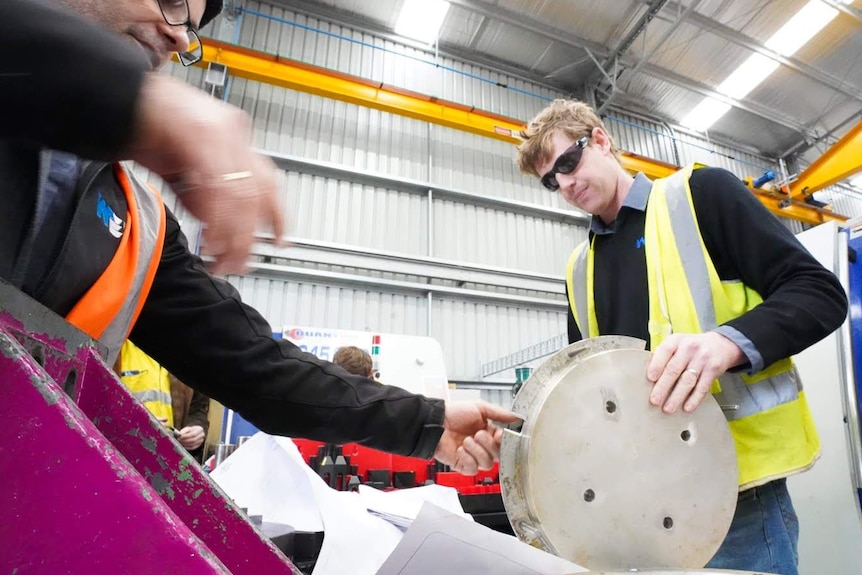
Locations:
(802, 301)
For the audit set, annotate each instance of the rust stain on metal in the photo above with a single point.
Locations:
(161, 485)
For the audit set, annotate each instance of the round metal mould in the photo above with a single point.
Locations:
(598, 476)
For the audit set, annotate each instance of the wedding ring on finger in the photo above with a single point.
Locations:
(693, 372)
(235, 176)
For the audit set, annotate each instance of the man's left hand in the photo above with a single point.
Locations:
(470, 441)
(684, 366)
(191, 437)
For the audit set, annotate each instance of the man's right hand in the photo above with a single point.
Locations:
(202, 148)
(470, 440)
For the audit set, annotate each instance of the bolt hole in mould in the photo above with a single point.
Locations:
(657, 491)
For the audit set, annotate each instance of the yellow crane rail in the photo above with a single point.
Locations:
(839, 162)
(273, 69)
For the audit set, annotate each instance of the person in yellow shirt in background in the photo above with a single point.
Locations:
(177, 406)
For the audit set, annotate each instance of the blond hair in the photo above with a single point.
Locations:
(354, 360)
(570, 117)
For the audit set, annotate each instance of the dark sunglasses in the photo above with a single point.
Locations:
(565, 164)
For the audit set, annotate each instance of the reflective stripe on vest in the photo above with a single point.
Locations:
(577, 289)
(153, 395)
(700, 274)
(111, 306)
(771, 423)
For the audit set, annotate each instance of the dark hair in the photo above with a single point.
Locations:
(212, 10)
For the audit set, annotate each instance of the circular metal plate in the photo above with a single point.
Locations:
(600, 477)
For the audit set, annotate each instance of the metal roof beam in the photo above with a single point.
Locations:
(550, 33)
(740, 39)
(704, 90)
(658, 44)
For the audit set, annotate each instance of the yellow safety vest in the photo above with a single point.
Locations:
(772, 426)
(148, 381)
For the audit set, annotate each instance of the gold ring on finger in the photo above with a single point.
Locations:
(235, 176)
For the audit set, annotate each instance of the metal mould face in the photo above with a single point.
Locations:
(599, 477)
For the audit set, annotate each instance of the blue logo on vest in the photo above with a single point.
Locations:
(639, 243)
(109, 219)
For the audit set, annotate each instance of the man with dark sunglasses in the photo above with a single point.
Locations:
(722, 292)
(66, 227)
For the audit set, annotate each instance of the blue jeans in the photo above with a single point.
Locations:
(763, 534)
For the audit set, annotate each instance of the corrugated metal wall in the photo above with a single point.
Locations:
(345, 210)
(380, 202)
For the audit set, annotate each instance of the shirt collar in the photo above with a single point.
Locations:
(636, 199)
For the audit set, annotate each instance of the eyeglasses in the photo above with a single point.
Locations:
(176, 13)
(565, 164)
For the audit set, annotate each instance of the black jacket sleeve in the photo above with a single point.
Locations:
(196, 326)
(65, 82)
(802, 301)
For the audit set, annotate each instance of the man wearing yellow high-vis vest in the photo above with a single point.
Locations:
(721, 291)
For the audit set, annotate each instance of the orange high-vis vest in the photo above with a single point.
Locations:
(111, 306)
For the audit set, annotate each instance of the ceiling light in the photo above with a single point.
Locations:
(812, 18)
(801, 27)
(705, 114)
(749, 74)
(421, 19)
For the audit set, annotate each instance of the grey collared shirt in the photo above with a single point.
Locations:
(636, 199)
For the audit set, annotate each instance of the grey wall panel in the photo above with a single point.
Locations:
(470, 333)
(300, 124)
(284, 303)
(485, 166)
(343, 212)
(473, 333)
(649, 139)
(497, 238)
(675, 146)
(844, 199)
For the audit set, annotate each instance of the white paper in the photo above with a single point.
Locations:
(263, 476)
(442, 542)
(268, 475)
(400, 507)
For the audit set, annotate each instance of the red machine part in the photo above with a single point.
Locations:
(365, 459)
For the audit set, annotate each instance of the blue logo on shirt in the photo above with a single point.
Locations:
(639, 243)
(109, 219)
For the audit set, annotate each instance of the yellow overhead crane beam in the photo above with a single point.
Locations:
(278, 71)
(838, 163)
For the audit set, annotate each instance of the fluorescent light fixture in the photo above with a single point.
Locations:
(421, 19)
(801, 27)
(813, 17)
(749, 74)
(856, 181)
(705, 114)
